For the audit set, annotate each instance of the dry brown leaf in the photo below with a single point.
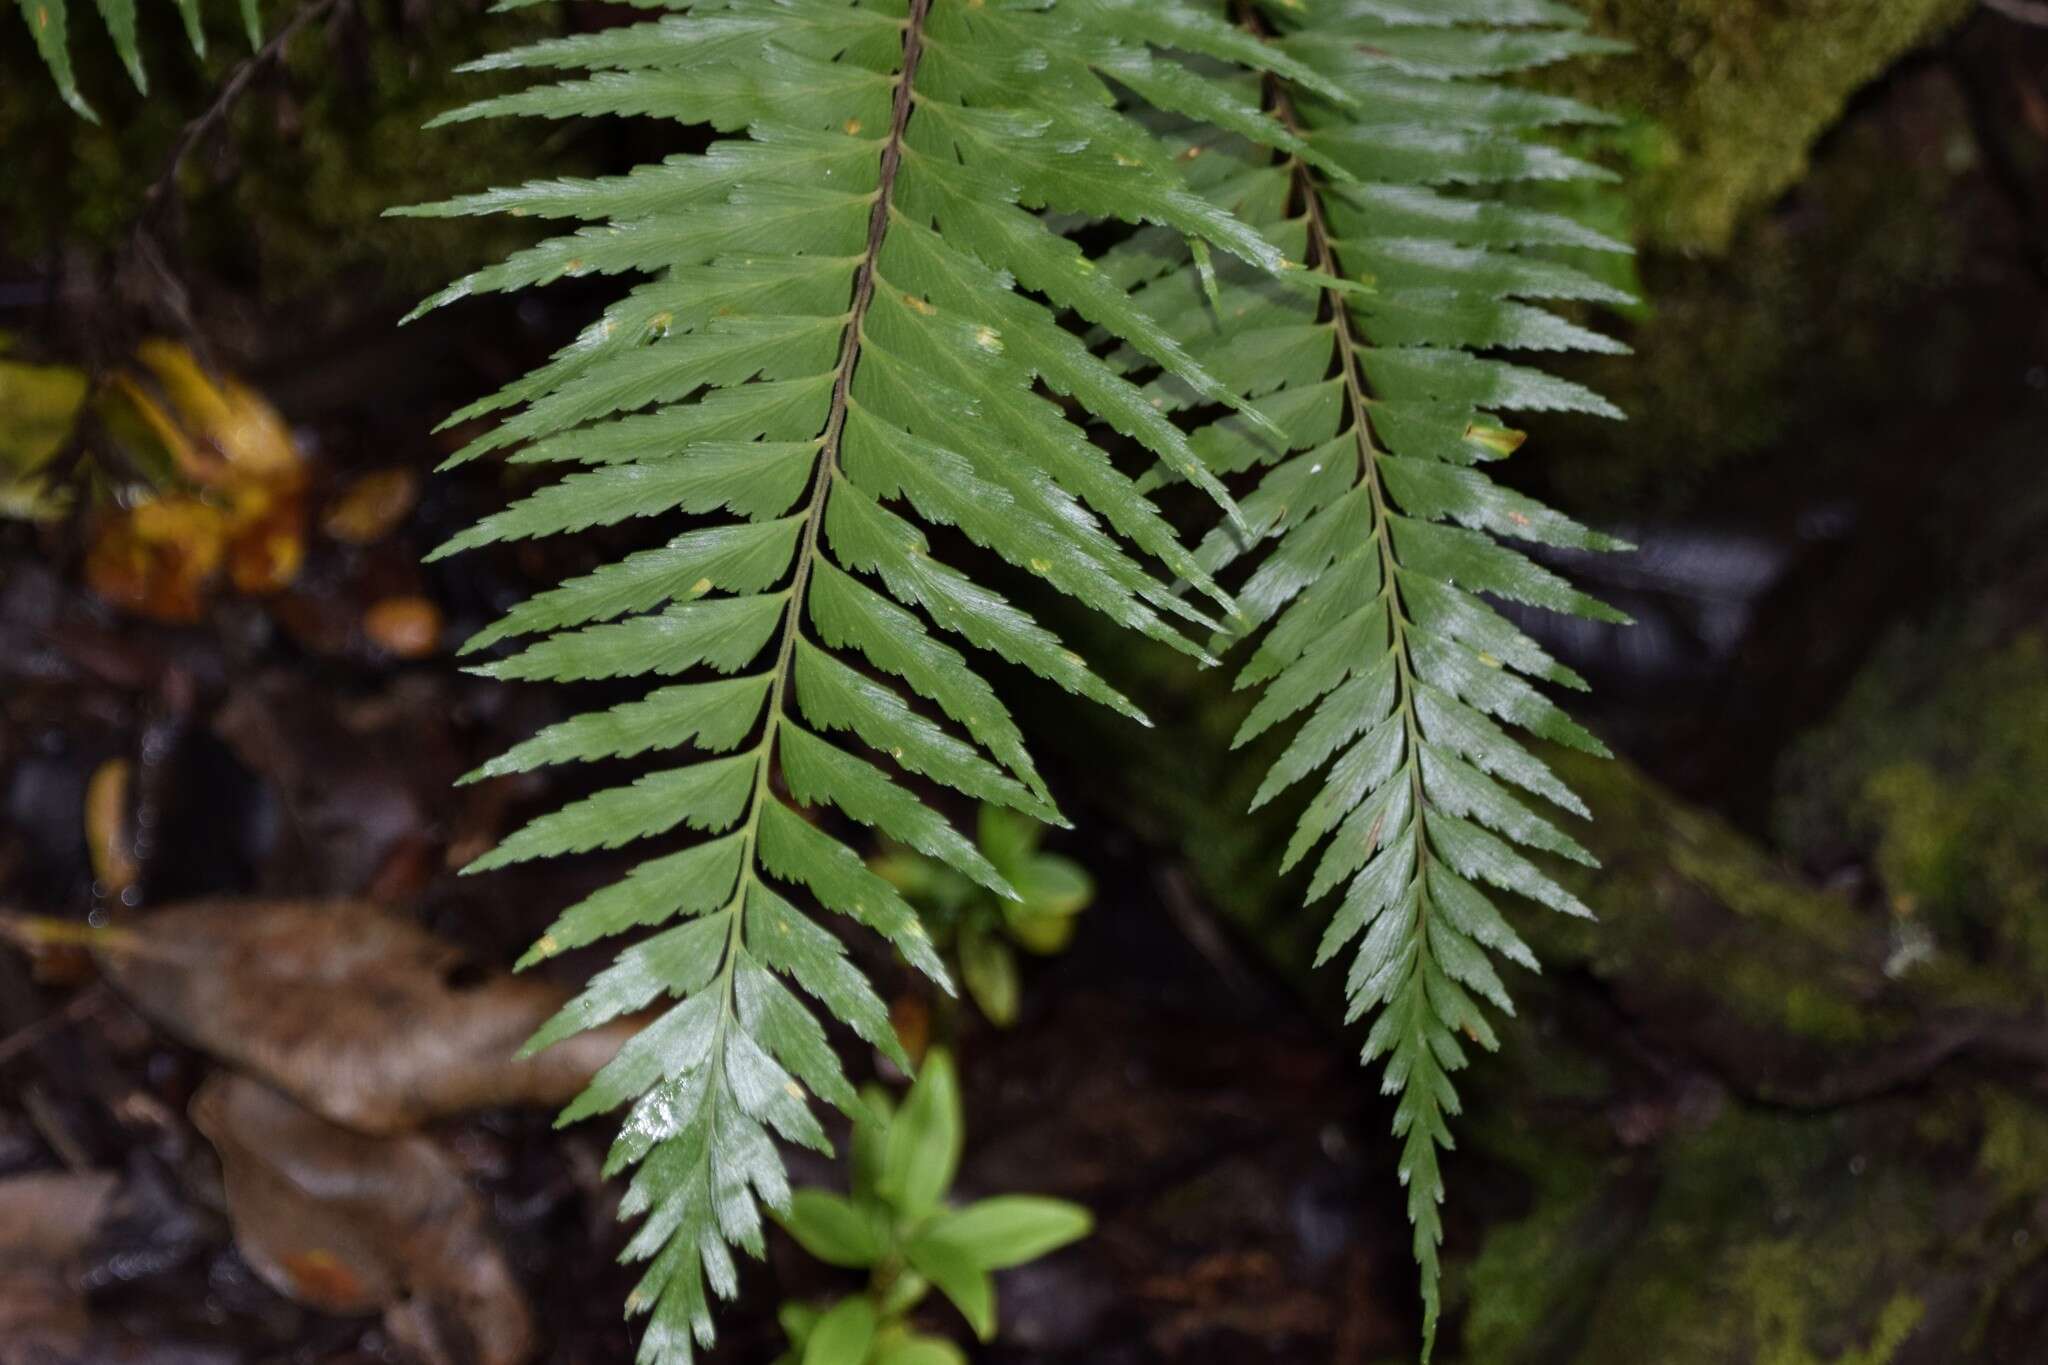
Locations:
(371, 507)
(354, 1224)
(359, 1014)
(45, 1222)
(48, 1218)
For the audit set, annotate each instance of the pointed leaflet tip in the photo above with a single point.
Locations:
(1205, 267)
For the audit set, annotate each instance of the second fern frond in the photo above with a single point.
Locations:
(1381, 534)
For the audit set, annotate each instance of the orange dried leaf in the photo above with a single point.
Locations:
(372, 506)
(409, 627)
(157, 559)
(267, 538)
(106, 826)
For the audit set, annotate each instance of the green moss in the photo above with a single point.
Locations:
(1797, 331)
(1772, 1277)
(1766, 1236)
(2013, 1153)
(1536, 1276)
(1527, 1274)
(1775, 954)
(1771, 1240)
(1934, 768)
(285, 203)
(1739, 90)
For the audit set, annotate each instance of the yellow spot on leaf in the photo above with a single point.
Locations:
(988, 339)
(1489, 660)
(1040, 566)
(852, 126)
(700, 587)
(1499, 440)
(918, 305)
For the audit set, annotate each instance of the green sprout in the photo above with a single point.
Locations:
(980, 928)
(898, 1226)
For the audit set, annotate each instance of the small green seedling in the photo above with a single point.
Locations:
(899, 1228)
(980, 928)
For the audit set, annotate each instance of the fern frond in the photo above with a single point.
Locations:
(1377, 537)
(49, 24)
(846, 334)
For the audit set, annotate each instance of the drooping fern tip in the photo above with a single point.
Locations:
(1379, 537)
(854, 319)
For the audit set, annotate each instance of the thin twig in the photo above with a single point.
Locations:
(79, 1007)
(2025, 11)
(50, 1124)
(230, 91)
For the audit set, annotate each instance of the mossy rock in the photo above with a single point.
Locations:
(1931, 777)
(1883, 1234)
(1732, 95)
(1934, 773)
(1794, 335)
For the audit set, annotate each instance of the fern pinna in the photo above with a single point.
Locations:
(1383, 533)
(833, 344)
(49, 24)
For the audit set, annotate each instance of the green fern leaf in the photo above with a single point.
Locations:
(1376, 539)
(48, 23)
(846, 333)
